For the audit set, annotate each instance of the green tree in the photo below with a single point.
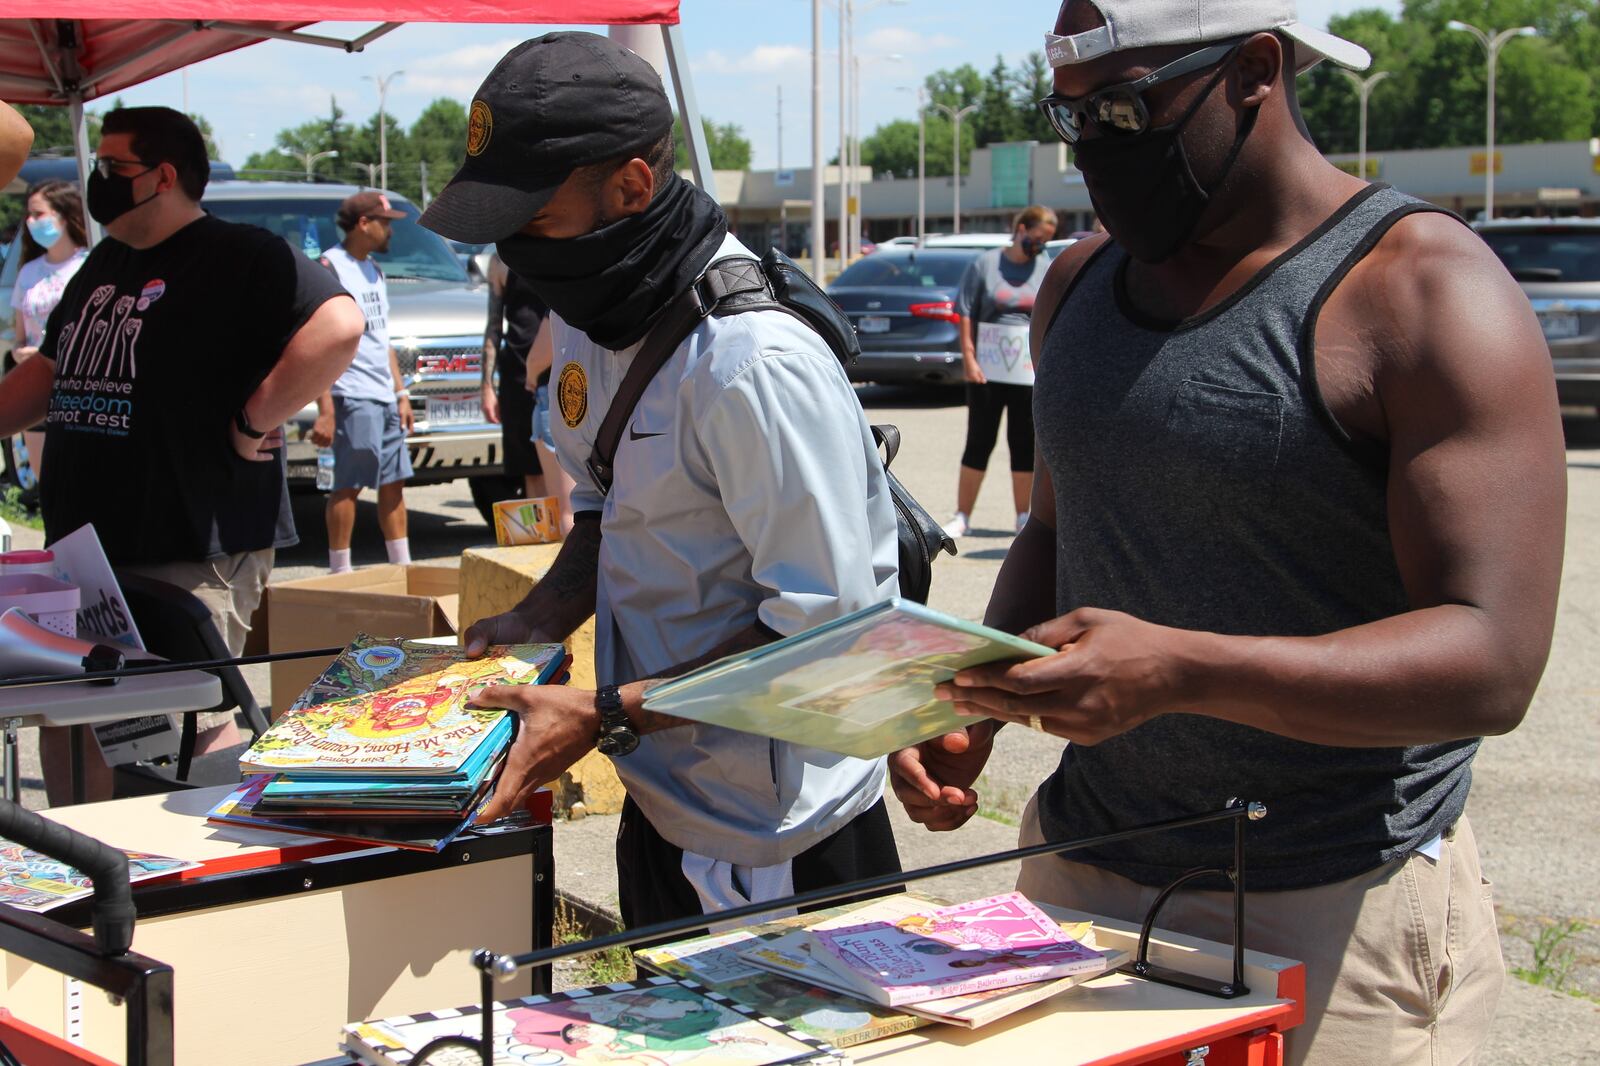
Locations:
(727, 144)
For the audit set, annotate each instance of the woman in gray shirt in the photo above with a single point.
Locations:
(997, 295)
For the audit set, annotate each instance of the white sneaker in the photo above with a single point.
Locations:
(957, 526)
(1022, 520)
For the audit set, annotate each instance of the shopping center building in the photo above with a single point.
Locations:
(1556, 178)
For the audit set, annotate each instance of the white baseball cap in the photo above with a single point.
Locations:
(1143, 23)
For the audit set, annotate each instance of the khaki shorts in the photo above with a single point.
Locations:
(231, 589)
(1402, 962)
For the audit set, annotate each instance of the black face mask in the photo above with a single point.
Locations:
(612, 283)
(111, 198)
(1030, 247)
(1143, 187)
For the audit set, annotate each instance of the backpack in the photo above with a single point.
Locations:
(774, 283)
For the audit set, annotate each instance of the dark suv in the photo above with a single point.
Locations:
(1557, 260)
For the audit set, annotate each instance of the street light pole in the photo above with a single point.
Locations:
(818, 219)
(922, 159)
(383, 124)
(310, 159)
(372, 173)
(846, 13)
(1364, 87)
(1492, 43)
(955, 121)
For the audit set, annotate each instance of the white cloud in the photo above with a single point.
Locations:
(469, 57)
(904, 41)
(762, 59)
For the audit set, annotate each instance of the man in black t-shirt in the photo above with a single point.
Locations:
(175, 355)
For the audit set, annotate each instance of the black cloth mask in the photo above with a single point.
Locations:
(1143, 187)
(111, 198)
(613, 282)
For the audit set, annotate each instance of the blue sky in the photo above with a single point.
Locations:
(741, 52)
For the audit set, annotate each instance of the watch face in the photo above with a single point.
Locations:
(618, 742)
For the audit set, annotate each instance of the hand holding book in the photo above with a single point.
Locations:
(556, 726)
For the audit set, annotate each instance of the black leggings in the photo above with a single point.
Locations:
(984, 405)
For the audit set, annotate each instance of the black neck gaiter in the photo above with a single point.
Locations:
(612, 283)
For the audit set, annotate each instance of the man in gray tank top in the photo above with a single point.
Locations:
(1297, 529)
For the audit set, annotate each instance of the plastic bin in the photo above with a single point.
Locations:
(51, 603)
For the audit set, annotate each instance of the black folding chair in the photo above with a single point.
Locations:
(177, 626)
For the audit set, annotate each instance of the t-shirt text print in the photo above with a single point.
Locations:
(97, 361)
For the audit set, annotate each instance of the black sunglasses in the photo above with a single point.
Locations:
(1119, 110)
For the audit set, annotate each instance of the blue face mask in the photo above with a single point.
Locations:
(46, 231)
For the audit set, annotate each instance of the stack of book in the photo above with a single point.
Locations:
(383, 747)
(854, 974)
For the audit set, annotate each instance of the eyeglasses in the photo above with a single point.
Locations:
(106, 167)
(1119, 110)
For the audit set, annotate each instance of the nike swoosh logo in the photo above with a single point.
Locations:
(634, 434)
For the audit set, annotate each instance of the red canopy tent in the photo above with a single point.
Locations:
(84, 51)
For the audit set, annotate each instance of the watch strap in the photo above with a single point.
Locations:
(242, 423)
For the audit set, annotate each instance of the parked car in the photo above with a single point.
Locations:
(898, 242)
(967, 240)
(1557, 260)
(902, 302)
(436, 319)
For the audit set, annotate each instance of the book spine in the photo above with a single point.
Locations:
(985, 982)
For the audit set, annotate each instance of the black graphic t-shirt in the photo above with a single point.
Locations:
(155, 350)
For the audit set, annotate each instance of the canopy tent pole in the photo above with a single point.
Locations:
(688, 109)
(245, 29)
(80, 147)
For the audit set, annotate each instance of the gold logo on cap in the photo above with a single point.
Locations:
(480, 124)
(572, 394)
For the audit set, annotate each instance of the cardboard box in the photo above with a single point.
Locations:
(420, 600)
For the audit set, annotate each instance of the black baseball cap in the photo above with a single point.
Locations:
(551, 105)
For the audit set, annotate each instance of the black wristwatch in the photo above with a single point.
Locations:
(243, 425)
(617, 737)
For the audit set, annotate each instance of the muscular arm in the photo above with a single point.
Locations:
(25, 394)
(16, 137)
(312, 361)
(1458, 380)
(1477, 514)
(561, 602)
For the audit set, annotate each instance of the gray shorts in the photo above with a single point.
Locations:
(369, 447)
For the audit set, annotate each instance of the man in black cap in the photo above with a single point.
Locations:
(747, 502)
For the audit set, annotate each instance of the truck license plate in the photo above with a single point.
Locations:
(873, 324)
(1559, 325)
(453, 411)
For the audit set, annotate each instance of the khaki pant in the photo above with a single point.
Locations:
(1402, 963)
(231, 589)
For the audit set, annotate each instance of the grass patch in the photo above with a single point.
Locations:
(1554, 953)
(597, 968)
(1000, 802)
(12, 510)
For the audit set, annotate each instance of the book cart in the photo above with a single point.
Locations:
(268, 948)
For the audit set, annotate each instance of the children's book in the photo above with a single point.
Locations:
(657, 1021)
(427, 834)
(416, 725)
(842, 1019)
(860, 685)
(288, 790)
(35, 882)
(997, 942)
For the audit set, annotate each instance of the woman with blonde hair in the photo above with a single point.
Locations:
(997, 294)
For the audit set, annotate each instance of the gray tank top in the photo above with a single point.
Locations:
(1201, 482)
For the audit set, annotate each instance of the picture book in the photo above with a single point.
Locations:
(429, 834)
(842, 1019)
(657, 1021)
(416, 724)
(286, 788)
(35, 882)
(996, 942)
(860, 685)
(371, 663)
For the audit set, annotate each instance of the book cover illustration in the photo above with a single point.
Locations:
(837, 1016)
(35, 882)
(656, 1021)
(414, 718)
(861, 685)
(997, 942)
